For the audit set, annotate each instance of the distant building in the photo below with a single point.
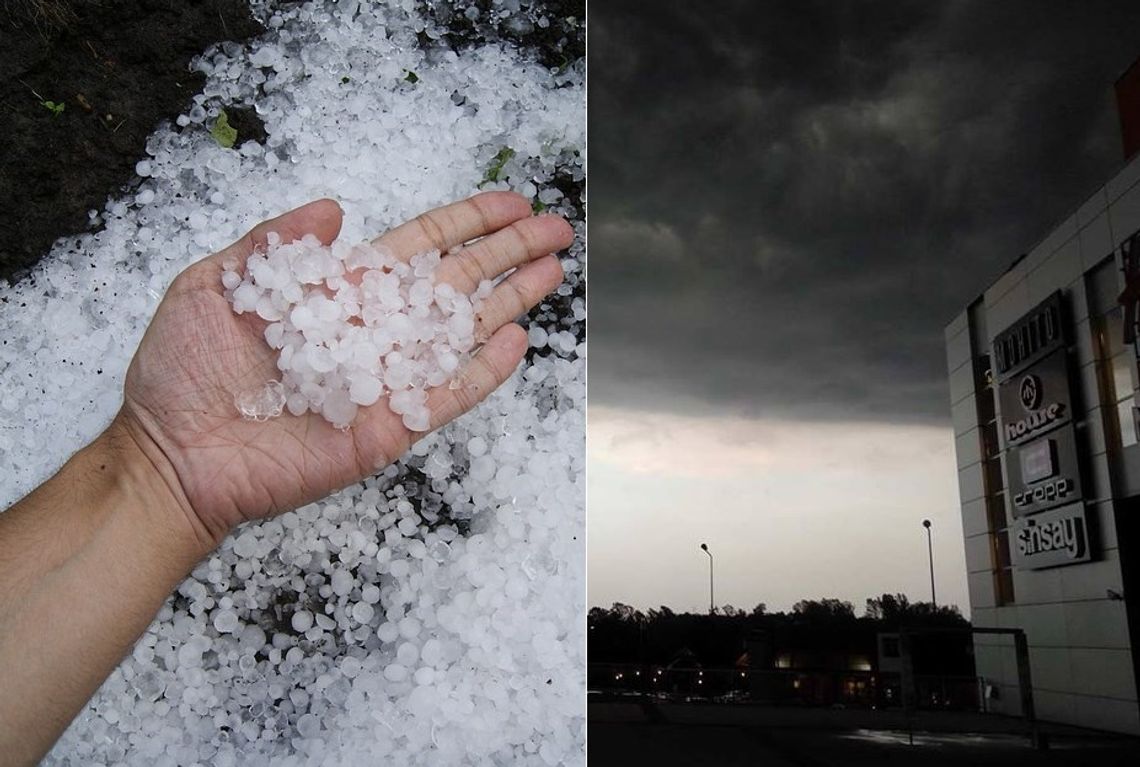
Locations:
(1043, 390)
(855, 664)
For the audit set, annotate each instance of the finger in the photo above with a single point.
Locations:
(491, 366)
(518, 294)
(511, 246)
(444, 228)
(321, 218)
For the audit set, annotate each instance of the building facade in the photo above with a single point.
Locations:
(1043, 389)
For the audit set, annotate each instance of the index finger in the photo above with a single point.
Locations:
(444, 228)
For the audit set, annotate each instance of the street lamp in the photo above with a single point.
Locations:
(930, 552)
(705, 548)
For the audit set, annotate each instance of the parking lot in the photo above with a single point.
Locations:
(643, 731)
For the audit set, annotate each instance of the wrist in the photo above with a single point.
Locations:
(147, 489)
(86, 561)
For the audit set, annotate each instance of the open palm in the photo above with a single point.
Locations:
(197, 355)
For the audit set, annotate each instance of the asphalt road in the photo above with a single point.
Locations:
(651, 733)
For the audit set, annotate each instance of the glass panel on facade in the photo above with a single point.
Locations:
(993, 478)
(1001, 550)
(1127, 422)
(986, 412)
(1003, 587)
(995, 512)
(1117, 376)
(986, 406)
(990, 445)
(1123, 365)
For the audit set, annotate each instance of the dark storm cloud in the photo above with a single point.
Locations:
(790, 201)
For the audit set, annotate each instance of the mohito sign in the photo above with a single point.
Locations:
(1035, 335)
(1035, 400)
(1051, 539)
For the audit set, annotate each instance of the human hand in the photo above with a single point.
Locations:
(222, 469)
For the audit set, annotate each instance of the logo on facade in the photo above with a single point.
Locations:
(1053, 538)
(1030, 392)
(1058, 490)
(1034, 422)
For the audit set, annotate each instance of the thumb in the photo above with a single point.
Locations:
(320, 218)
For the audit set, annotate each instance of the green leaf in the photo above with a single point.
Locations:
(496, 167)
(224, 133)
(412, 77)
(54, 108)
(538, 206)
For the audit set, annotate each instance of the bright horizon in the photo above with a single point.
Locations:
(791, 510)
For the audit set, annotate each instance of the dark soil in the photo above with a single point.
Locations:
(121, 67)
(118, 68)
(558, 44)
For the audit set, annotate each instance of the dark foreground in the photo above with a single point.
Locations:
(661, 734)
(83, 83)
(112, 70)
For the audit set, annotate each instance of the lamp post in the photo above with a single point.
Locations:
(930, 553)
(712, 603)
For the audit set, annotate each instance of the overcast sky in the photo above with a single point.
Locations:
(789, 201)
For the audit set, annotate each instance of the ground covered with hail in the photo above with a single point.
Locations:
(431, 614)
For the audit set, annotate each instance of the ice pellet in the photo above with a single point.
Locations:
(225, 621)
(362, 612)
(327, 345)
(302, 621)
(309, 726)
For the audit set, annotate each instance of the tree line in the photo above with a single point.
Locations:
(624, 634)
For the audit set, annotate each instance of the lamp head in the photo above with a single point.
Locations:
(926, 523)
(704, 547)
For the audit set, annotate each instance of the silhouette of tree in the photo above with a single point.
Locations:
(895, 610)
(888, 607)
(624, 612)
(622, 634)
(824, 610)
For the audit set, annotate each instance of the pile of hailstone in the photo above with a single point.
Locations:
(352, 323)
(431, 614)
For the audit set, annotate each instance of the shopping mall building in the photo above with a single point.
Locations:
(1046, 412)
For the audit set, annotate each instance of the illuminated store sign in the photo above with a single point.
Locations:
(1050, 539)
